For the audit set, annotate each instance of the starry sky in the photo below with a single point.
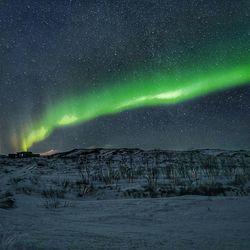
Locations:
(68, 67)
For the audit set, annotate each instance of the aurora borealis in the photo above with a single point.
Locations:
(151, 90)
(71, 72)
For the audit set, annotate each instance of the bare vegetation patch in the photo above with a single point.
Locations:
(7, 200)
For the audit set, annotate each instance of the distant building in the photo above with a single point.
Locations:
(23, 155)
(12, 156)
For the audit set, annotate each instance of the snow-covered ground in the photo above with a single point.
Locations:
(102, 199)
(188, 222)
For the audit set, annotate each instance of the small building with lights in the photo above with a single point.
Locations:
(27, 154)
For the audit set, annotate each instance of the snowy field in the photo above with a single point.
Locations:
(126, 199)
(188, 222)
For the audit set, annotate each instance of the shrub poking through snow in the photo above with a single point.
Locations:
(7, 201)
(51, 203)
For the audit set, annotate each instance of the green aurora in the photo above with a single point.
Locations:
(183, 82)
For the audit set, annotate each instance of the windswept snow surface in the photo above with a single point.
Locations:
(68, 201)
(188, 222)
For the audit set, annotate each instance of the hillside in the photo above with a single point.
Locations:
(126, 199)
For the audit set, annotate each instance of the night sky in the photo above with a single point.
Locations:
(148, 74)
